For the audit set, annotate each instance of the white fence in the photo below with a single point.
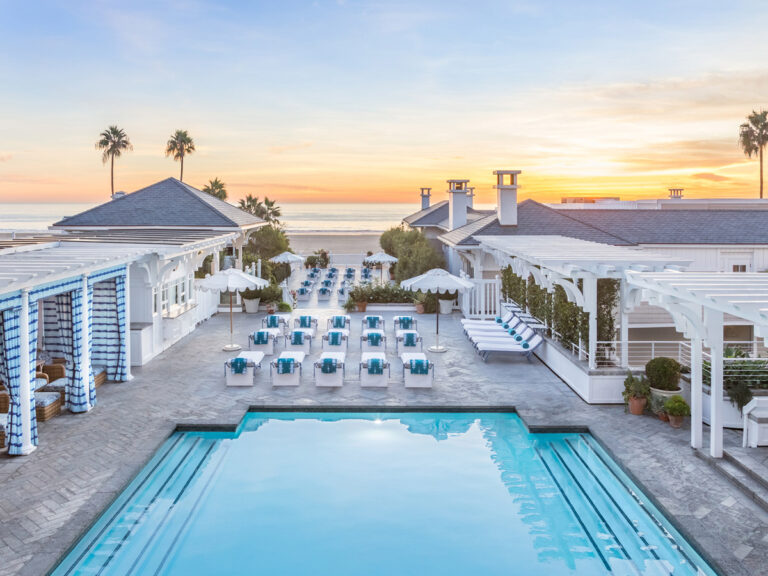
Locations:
(483, 300)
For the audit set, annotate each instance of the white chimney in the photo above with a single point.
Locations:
(425, 194)
(506, 196)
(471, 197)
(676, 193)
(457, 203)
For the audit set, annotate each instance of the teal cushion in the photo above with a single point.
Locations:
(334, 338)
(498, 319)
(297, 338)
(526, 345)
(305, 321)
(238, 365)
(273, 321)
(518, 338)
(375, 366)
(409, 339)
(419, 366)
(261, 337)
(328, 366)
(286, 365)
(339, 321)
(373, 321)
(374, 339)
(405, 322)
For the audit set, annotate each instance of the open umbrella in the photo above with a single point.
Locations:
(287, 258)
(437, 281)
(380, 258)
(231, 280)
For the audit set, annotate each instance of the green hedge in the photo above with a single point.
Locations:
(415, 255)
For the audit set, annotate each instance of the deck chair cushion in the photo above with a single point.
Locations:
(409, 339)
(328, 366)
(374, 339)
(273, 321)
(305, 321)
(419, 366)
(334, 338)
(375, 366)
(339, 321)
(261, 337)
(238, 365)
(372, 321)
(286, 365)
(405, 322)
(297, 338)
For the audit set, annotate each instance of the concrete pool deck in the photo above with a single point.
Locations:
(49, 498)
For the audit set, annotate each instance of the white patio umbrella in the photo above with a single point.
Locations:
(231, 280)
(380, 258)
(437, 281)
(287, 258)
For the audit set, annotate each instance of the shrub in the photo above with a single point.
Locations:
(636, 387)
(415, 255)
(310, 261)
(269, 294)
(380, 294)
(663, 373)
(677, 406)
(284, 307)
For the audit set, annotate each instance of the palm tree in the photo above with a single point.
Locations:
(753, 136)
(272, 211)
(113, 141)
(216, 188)
(179, 145)
(252, 205)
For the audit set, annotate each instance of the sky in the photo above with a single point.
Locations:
(369, 101)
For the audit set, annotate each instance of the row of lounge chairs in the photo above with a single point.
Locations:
(512, 333)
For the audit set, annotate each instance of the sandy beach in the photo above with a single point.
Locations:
(335, 242)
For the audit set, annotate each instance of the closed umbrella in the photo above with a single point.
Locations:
(380, 258)
(231, 280)
(287, 258)
(437, 281)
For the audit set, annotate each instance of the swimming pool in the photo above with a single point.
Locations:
(382, 494)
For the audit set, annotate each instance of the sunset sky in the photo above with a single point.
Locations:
(368, 101)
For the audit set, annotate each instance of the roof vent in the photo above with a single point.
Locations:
(118, 195)
(676, 193)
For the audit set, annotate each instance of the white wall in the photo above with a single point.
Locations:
(716, 258)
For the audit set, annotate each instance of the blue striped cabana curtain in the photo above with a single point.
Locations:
(32, 366)
(109, 321)
(79, 399)
(10, 373)
(52, 328)
(65, 343)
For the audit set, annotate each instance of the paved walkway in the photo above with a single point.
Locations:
(50, 497)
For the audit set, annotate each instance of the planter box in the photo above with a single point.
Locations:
(731, 414)
(404, 307)
(446, 306)
(251, 306)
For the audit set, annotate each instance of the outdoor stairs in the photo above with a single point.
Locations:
(743, 471)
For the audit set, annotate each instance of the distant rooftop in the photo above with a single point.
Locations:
(437, 216)
(165, 204)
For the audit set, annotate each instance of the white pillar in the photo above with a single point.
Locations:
(85, 349)
(215, 262)
(714, 322)
(258, 267)
(25, 385)
(590, 302)
(127, 332)
(624, 335)
(697, 426)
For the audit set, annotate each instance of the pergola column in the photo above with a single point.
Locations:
(25, 384)
(85, 348)
(714, 322)
(590, 306)
(697, 418)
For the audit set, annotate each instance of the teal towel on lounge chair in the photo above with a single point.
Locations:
(334, 338)
(512, 331)
(305, 321)
(375, 366)
(525, 345)
(328, 366)
(374, 339)
(261, 337)
(302, 291)
(339, 321)
(286, 365)
(498, 319)
(238, 365)
(409, 339)
(373, 321)
(273, 321)
(419, 366)
(405, 322)
(518, 338)
(297, 338)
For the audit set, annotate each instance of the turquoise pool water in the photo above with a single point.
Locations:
(382, 494)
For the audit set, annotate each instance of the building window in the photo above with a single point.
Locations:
(739, 267)
(154, 300)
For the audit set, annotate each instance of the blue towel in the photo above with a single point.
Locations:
(302, 291)
(315, 270)
(506, 325)
(273, 321)
(297, 338)
(518, 338)
(324, 291)
(327, 283)
(261, 337)
(374, 339)
(306, 283)
(286, 365)
(339, 321)
(375, 366)
(498, 319)
(419, 366)
(511, 332)
(373, 321)
(305, 321)
(526, 345)
(334, 338)
(341, 291)
(238, 365)
(328, 366)
(405, 322)
(409, 339)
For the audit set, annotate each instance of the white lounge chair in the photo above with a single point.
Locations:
(373, 322)
(274, 321)
(405, 323)
(286, 370)
(339, 322)
(408, 340)
(484, 349)
(418, 372)
(324, 293)
(492, 328)
(506, 317)
(336, 340)
(240, 371)
(372, 367)
(300, 339)
(263, 341)
(303, 294)
(308, 323)
(523, 336)
(373, 339)
(329, 370)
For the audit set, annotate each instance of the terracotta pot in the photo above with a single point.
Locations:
(361, 306)
(675, 421)
(270, 309)
(637, 405)
(419, 307)
(663, 416)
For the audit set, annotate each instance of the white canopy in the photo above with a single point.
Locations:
(437, 280)
(380, 258)
(231, 280)
(287, 258)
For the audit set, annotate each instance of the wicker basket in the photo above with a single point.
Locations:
(55, 371)
(100, 378)
(2, 437)
(47, 412)
(5, 401)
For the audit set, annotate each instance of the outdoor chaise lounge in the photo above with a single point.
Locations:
(510, 327)
(47, 405)
(340, 321)
(299, 339)
(286, 370)
(336, 339)
(303, 293)
(324, 293)
(408, 340)
(308, 323)
(263, 341)
(404, 323)
(524, 334)
(329, 370)
(275, 321)
(373, 339)
(373, 322)
(526, 348)
(241, 370)
(418, 372)
(372, 370)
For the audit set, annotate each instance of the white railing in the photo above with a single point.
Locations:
(483, 300)
(634, 354)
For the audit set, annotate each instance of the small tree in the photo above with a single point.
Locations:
(753, 136)
(179, 145)
(216, 188)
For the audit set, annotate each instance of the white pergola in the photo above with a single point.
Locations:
(562, 261)
(697, 302)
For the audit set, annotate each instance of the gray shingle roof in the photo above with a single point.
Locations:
(168, 203)
(532, 219)
(437, 216)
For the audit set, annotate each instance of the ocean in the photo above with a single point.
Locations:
(302, 218)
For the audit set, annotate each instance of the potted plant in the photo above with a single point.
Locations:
(636, 393)
(446, 302)
(418, 302)
(271, 295)
(284, 307)
(251, 299)
(350, 305)
(360, 296)
(677, 409)
(664, 378)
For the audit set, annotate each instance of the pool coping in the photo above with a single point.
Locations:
(457, 409)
